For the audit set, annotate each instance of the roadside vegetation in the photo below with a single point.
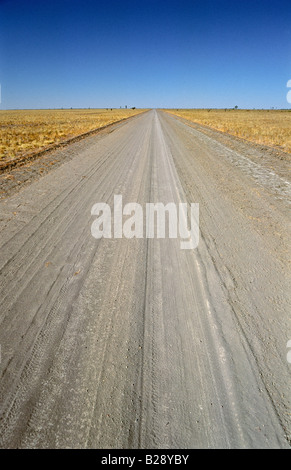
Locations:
(266, 127)
(29, 131)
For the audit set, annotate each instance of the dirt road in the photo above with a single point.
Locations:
(118, 343)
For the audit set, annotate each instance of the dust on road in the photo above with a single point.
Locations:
(118, 343)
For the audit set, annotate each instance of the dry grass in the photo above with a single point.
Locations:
(266, 127)
(23, 131)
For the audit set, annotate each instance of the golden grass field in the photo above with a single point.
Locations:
(25, 131)
(266, 127)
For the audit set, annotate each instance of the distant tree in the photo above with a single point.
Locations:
(236, 106)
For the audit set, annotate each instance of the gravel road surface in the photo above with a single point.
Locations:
(136, 343)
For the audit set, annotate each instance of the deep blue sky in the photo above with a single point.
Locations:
(111, 53)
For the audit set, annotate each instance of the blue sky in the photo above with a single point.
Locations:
(110, 53)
